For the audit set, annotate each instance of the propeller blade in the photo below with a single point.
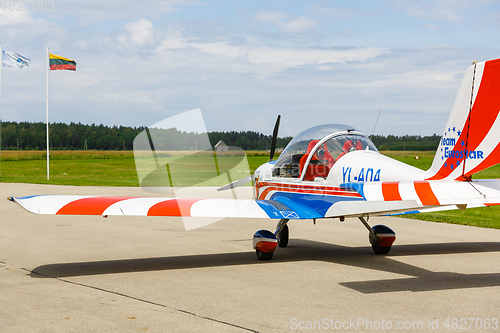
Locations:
(275, 138)
(236, 183)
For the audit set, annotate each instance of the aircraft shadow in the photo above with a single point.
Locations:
(419, 279)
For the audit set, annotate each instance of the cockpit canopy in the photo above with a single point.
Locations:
(313, 152)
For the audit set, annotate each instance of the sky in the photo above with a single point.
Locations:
(244, 62)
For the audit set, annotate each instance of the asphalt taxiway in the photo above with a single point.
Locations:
(88, 273)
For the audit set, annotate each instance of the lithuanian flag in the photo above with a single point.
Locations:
(61, 63)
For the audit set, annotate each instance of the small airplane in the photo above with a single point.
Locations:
(335, 171)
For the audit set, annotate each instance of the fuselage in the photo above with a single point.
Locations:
(314, 168)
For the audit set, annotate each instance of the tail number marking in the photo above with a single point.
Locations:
(370, 175)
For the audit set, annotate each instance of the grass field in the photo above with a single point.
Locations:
(117, 168)
(98, 168)
(91, 168)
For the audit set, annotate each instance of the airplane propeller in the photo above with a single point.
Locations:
(250, 178)
(275, 138)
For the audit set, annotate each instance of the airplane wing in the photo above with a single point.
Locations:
(156, 206)
(375, 198)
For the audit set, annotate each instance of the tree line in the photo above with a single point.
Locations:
(407, 142)
(32, 136)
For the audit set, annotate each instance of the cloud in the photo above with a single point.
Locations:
(140, 33)
(22, 31)
(9, 18)
(96, 12)
(281, 58)
(250, 56)
(433, 27)
(339, 13)
(298, 24)
(293, 25)
(438, 10)
(274, 16)
(174, 40)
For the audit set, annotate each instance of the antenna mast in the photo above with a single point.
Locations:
(375, 124)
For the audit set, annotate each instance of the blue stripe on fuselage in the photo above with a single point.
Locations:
(318, 202)
(270, 209)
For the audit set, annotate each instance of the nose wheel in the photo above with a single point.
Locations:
(264, 256)
(265, 242)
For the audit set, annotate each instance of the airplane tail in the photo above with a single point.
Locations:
(471, 139)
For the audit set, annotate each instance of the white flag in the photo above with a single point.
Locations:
(13, 59)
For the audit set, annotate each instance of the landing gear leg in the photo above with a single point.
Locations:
(381, 237)
(282, 233)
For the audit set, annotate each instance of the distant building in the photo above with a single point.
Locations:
(277, 150)
(220, 147)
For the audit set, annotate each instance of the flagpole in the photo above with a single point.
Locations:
(47, 102)
(1, 70)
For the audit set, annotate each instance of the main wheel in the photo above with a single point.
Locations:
(264, 256)
(380, 249)
(283, 237)
(381, 239)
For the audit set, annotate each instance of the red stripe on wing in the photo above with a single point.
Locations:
(173, 207)
(89, 206)
(425, 193)
(390, 191)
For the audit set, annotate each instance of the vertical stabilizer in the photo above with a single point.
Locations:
(470, 142)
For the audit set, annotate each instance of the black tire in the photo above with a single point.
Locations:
(264, 256)
(283, 237)
(380, 249)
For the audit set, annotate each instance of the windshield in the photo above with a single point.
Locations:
(291, 162)
(341, 144)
